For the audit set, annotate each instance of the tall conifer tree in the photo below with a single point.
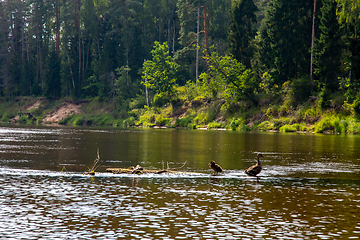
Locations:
(327, 50)
(242, 30)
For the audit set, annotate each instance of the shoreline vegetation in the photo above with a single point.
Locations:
(200, 113)
(247, 65)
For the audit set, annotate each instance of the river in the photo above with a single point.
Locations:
(309, 187)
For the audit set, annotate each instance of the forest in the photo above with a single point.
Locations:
(238, 64)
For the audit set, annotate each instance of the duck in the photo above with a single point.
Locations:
(255, 169)
(215, 167)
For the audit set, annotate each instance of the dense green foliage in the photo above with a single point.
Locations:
(252, 57)
(242, 30)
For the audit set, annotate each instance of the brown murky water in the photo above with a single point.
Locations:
(309, 187)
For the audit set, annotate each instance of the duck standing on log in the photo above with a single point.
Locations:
(215, 167)
(255, 169)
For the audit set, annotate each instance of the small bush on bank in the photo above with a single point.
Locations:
(78, 120)
(212, 125)
(353, 126)
(288, 128)
(27, 119)
(356, 107)
(130, 121)
(66, 120)
(6, 117)
(263, 126)
(333, 124)
(162, 121)
(234, 124)
(238, 124)
(204, 118)
(104, 120)
(183, 122)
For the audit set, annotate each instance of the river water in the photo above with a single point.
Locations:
(309, 187)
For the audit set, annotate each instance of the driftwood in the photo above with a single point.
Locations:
(139, 170)
(95, 165)
(134, 170)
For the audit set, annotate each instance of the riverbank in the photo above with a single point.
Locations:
(195, 114)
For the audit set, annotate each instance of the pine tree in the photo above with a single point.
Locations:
(242, 30)
(52, 75)
(287, 36)
(327, 50)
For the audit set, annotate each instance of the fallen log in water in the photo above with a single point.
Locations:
(139, 170)
(134, 170)
(144, 171)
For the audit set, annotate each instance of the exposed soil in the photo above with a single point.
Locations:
(33, 105)
(61, 112)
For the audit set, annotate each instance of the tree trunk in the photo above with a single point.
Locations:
(197, 44)
(312, 47)
(57, 16)
(79, 45)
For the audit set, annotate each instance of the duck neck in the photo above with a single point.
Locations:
(258, 161)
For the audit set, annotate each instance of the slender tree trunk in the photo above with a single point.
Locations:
(57, 16)
(38, 48)
(87, 55)
(205, 30)
(312, 46)
(126, 44)
(41, 72)
(79, 45)
(197, 44)
(173, 40)
(83, 56)
(22, 34)
(71, 72)
(168, 23)
(146, 90)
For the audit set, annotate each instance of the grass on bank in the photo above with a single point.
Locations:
(192, 109)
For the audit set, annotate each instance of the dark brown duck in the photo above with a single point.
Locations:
(255, 169)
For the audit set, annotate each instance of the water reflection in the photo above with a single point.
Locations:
(309, 188)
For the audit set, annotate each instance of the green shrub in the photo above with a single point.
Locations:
(162, 121)
(265, 125)
(272, 111)
(105, 120)
(332, 124)
(278, 123)
(356, 108)
(324, 98)
(128, 122)
(288, 128)
(205, 117)
(214, 125)
(26, 119)
(78, 120)
(353, 126)
(6, 117)
(190, 91)
(138, 102)
(244, 128)
(238, 124)
(23, 119)
(66, 120)
(183, 122)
